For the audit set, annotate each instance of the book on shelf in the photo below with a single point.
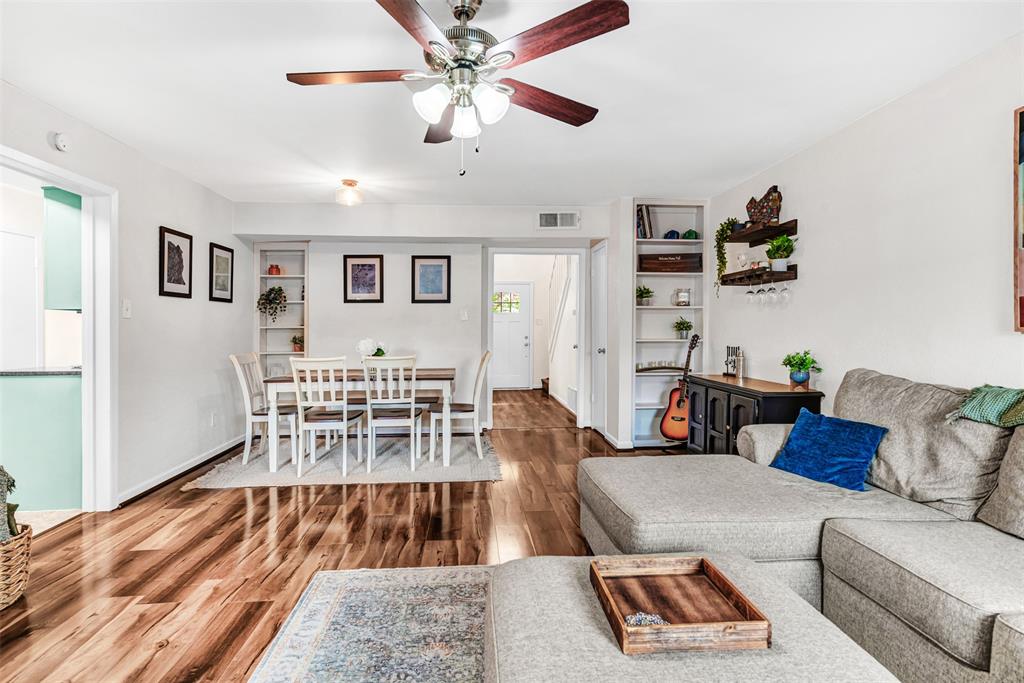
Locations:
(644, 227)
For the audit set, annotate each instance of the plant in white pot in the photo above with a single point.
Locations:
(779, 250)
(644, 294)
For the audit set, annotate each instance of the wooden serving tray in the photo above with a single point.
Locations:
(704, 609)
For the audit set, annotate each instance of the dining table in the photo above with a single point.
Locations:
(427, 379)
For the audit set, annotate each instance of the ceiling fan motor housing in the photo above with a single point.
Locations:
(470, 42)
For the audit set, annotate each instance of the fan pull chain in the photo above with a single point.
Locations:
(477, 144)
(462, 156)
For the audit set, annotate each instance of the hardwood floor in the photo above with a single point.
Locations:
(189, 586)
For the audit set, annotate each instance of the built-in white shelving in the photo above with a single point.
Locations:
(654, 338)
(273, 339)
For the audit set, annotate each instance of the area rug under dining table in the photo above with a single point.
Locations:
(391, 465)
(383, 625)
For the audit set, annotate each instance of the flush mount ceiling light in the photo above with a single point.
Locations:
(348, 194)
(463, 60)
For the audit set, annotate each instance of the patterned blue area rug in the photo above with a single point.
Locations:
(383, 625)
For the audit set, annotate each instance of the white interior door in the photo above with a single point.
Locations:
(20, 309)
(512, 311)
(599, 336)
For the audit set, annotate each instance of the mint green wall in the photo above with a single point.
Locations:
(41, 440)
(62, 245)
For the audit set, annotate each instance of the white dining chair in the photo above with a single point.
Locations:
(391, 401)
(254, 400)
(463, 411)
(322, 391)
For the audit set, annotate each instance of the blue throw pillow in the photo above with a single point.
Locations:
(830, 450)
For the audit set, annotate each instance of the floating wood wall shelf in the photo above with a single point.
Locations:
(742, 278)
(759, 233)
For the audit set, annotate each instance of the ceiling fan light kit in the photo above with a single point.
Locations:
(464, 59)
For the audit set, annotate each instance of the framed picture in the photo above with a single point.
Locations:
(175, 263)
(1018, 219)
(222, 273)
(431, 279)
(364, 279)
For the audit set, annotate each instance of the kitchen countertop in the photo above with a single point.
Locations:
(40, 372)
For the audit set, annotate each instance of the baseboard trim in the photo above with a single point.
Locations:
(147, 487)
(564, 404)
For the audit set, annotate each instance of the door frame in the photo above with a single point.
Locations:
(529, 286)
(582, 323)
(99, 323)
(603, 407)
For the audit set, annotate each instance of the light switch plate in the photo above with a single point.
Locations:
(463, 314)
(126, 307)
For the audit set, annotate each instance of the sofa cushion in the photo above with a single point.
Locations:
(652, 504)
(1005, 507)
(951, 466)
(947, 581)
(830, 449)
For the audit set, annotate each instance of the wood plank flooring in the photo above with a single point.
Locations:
(193, 585)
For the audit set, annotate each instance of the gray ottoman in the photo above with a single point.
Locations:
(544, 624)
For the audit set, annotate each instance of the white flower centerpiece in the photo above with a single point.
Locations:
(369, 347)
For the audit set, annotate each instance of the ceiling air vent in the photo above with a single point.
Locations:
(558, 220)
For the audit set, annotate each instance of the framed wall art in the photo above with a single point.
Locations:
(364, 279)
(175, 263)
(222, 273)
(431, 279)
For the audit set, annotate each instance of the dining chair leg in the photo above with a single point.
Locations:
(371, 449)
(302, 454)
(476, 436)
(264, 428)
(312, 446)
(248, 442)
(412, 446)
(359, 440)
(433, 436)
(293, 436)
(344, 452)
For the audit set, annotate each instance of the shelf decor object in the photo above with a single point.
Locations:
(676, 604)
(671, 270)
(281, 266)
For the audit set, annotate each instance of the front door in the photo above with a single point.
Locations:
(511, 308)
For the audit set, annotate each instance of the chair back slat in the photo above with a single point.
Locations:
(481, 372)
(320, 382)
(390, 380)
(250, 381)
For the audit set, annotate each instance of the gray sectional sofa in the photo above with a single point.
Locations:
(925, 569)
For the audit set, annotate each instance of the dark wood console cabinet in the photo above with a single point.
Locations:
(721, 405)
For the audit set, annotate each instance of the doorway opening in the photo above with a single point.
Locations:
(69, 320)
(536, 308)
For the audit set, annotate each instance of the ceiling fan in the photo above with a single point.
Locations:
(464, 59)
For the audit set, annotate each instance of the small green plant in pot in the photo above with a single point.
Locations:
(644, 294)
(801, 364)
(682, 326)
(779, 250)
(298, 343)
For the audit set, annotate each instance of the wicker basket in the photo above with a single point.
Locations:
(14, 555)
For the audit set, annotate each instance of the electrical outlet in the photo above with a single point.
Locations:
(126, 307)
(213, 419)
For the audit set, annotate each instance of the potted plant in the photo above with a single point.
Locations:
(15, 546)
(272, 303)
(682, 327)
(725, 229)
(801, 364)
(779, 250)
(298, 343)
(644, 294)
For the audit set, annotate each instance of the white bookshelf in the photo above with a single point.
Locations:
(654, 339)
(273, 339)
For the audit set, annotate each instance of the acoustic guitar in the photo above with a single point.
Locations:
(675, 423)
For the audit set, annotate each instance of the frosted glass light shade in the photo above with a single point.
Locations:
(348, 194)
(431, 103)
(491, 104)
(465, 124)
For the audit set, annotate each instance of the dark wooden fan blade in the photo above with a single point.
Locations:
(442, 130)
(417, 22)
(583, 23)
(346, 77)
(549, 104)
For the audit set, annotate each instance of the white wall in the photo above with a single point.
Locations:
(904, 251)
(173, 368)
(535, 268)
(436, 333)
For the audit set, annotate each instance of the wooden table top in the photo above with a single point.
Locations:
(759, 385)
(356, 375)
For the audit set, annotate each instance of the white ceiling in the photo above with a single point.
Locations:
(693, 97)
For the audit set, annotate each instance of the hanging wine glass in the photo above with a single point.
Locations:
(750, 293)
(786, 294)
(761, 293)
(773, 294)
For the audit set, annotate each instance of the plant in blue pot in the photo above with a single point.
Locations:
(801, 364)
